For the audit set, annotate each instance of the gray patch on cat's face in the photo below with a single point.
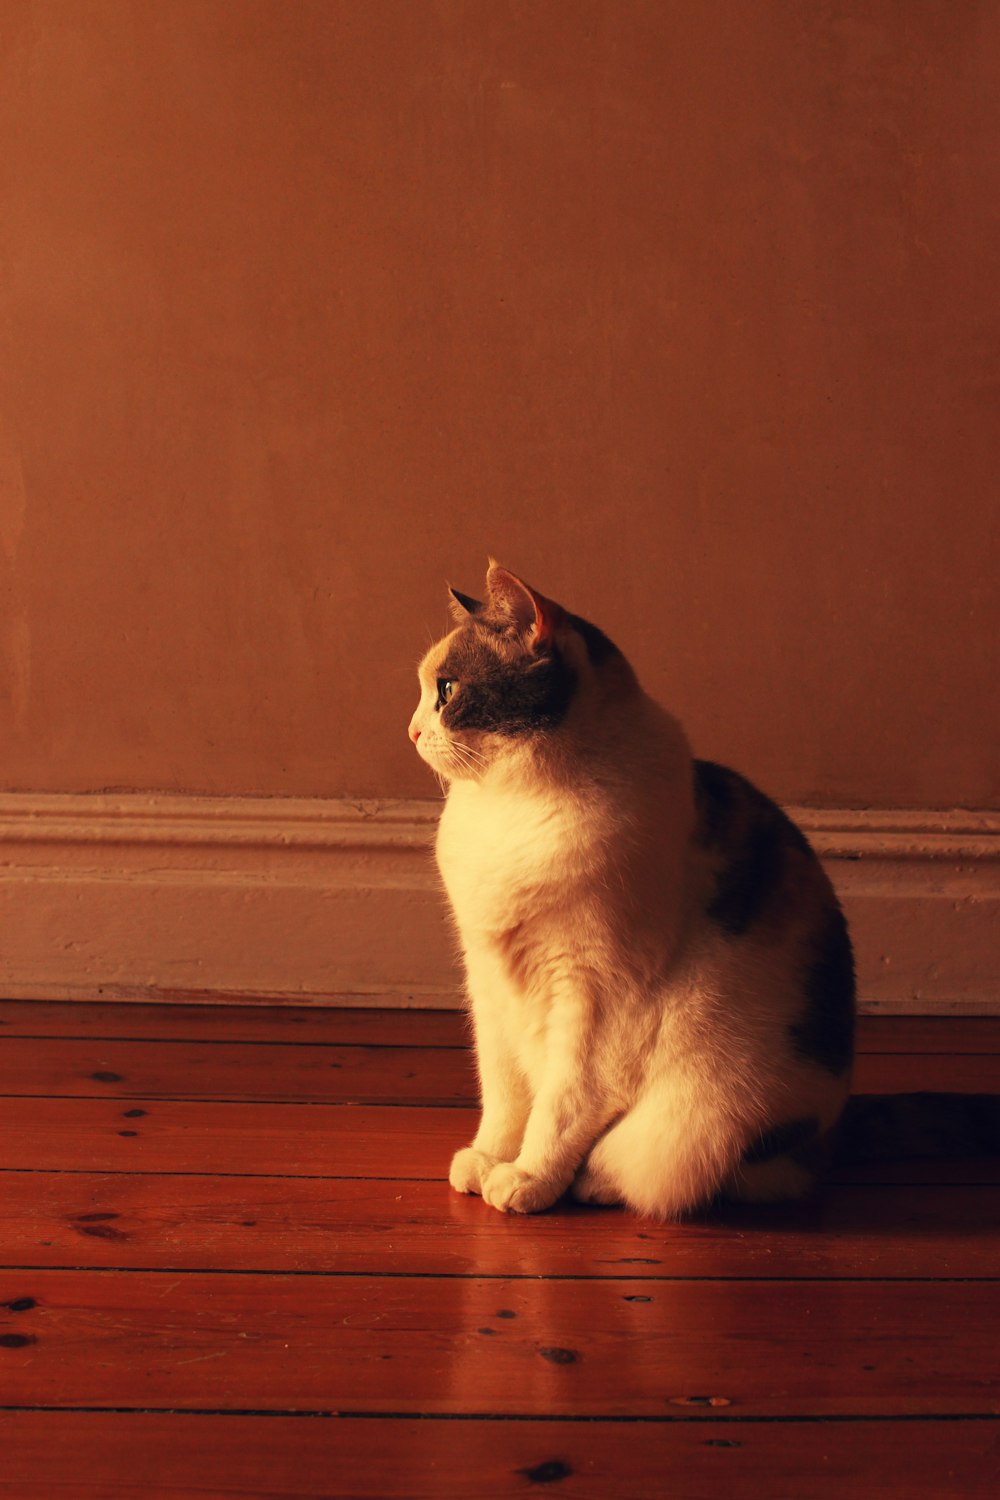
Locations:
(825, 1034)
(502, 685)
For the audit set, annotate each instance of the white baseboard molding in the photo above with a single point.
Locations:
(257, 900)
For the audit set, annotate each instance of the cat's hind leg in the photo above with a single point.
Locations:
(774, 1181)
(658, 1159)
(590, 1187)
(783, 1162)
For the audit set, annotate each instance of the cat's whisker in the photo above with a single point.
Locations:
(458, 747)
(467, 753)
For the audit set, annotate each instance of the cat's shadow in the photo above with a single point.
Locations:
(865, 1209)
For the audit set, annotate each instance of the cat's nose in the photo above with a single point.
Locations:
(414, 733)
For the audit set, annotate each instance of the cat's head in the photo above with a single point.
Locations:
(517, 668)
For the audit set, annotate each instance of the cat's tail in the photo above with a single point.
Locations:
(899, 1127)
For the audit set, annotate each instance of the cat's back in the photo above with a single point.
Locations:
(769, 915)
(762, 868)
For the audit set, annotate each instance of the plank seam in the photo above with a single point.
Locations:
(605, 1279)
(659, 1419)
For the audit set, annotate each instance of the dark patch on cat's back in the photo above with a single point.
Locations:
(719, 795)
(747, 881)
(825, 1033)
(599, 647)
(714, 796)
(504, 690)
(753, 837)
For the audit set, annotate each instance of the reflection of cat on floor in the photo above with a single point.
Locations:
(659, 973)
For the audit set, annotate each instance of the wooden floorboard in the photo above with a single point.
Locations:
(312, 1025)
(243, 1071)
(295, 1025)
(145, 1068)
(230, 1265)
(484, 1346)
(78, 1456)
(272, 1224)
(290, 1140)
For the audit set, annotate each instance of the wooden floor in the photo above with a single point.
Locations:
(230, 1266)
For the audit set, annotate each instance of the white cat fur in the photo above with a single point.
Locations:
(626, 1048)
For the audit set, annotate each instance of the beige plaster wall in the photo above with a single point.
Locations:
(687, 312)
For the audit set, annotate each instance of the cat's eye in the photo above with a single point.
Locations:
(445, 686)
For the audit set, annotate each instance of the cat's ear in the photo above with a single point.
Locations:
(533, 615)
(462, 605)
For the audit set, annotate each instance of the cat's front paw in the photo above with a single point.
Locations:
(469, 1170)
(513, 1191)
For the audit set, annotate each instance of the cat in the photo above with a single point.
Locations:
(660, 976)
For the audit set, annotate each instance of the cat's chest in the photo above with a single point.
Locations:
(503, 856)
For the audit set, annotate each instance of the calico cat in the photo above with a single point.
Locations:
(660, 977)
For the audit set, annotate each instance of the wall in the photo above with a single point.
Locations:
(688, 312)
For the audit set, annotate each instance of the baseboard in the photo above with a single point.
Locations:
(136, 897)
(922, 895)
